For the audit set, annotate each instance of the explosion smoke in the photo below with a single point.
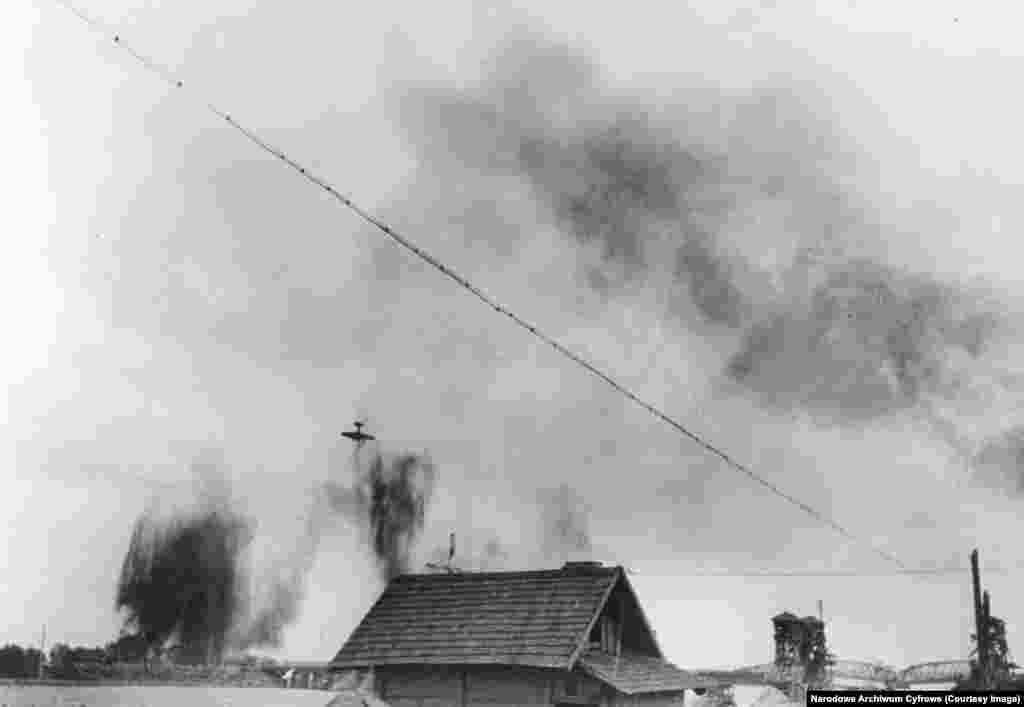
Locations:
(565, 531)
(184, 581)
(179, 580)
(388, 503)
(743, 210)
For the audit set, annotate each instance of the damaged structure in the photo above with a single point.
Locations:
(572, 636)
(801, 653)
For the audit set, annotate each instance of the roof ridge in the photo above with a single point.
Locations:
(575, 571)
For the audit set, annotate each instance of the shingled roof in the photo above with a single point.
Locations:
(538, 619)
(634, 674)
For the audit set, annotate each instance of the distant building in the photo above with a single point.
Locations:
(574, 636)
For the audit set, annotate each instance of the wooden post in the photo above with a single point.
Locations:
(979, 621)
(464, 684)
(986, 609)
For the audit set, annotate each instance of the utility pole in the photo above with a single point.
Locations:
(42, 652)
(991, 656)
(980, 625)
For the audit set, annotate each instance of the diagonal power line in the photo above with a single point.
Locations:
(445, 270)
(902, 572)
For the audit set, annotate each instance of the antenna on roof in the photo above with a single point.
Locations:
(446, 566)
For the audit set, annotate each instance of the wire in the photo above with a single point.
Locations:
(905, 572)
(479, 294)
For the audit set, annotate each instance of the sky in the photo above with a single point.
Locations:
(791, 226)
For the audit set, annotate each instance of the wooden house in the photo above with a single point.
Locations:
(573, 636)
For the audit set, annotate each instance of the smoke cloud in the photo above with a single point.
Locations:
(736, 211)
(565, 526)
(866, 341)
(192, 578)
(180, 578)
(388, 502)
(385, 503)
(1000, 461)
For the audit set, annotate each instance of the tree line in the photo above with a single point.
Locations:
(80, 662)
(65, 661)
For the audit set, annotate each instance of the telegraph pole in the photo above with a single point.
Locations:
(980, 624)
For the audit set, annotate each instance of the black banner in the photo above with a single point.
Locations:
(915, 698)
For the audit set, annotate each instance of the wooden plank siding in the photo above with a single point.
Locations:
(427, 686)
(507, 687)
(485, 686)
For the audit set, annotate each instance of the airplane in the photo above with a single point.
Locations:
(358, 436)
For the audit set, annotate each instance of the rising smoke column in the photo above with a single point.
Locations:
(185, 579)
(273, 599)
(564, 525)
(562, 535)
(388, 503)
(180, 578)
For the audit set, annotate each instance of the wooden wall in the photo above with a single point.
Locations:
(618, 700)
(419, 688)
(479, 686)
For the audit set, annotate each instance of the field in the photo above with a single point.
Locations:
(158, 696)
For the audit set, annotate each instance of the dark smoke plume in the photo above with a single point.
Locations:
(388, 503)
(185, 581)
(739, 206)
(180, 579)
(868, 340)
(564, 525)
